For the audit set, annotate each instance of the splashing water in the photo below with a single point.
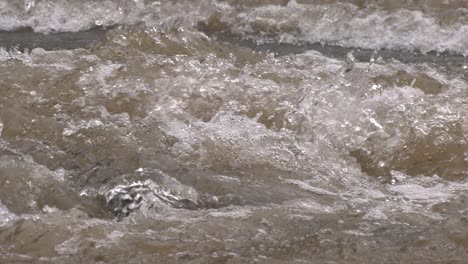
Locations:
(233, 131)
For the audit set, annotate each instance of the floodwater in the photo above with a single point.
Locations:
(234, 131)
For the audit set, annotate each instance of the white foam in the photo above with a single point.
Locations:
(346, 25)
(339, 23)
(5, 215)
(64, 15)
(237, 213)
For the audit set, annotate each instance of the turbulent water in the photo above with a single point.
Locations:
(234, 131)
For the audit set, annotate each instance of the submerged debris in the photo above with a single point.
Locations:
(124, 199)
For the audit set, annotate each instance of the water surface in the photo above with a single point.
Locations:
(233, 131)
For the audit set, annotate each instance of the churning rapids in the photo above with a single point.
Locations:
(233, 131)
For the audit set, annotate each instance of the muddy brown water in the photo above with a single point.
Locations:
(233, 132)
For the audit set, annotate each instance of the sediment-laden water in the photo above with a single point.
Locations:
(233, 131)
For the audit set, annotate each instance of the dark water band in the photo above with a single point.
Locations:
(26, 38)
(362, 55)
